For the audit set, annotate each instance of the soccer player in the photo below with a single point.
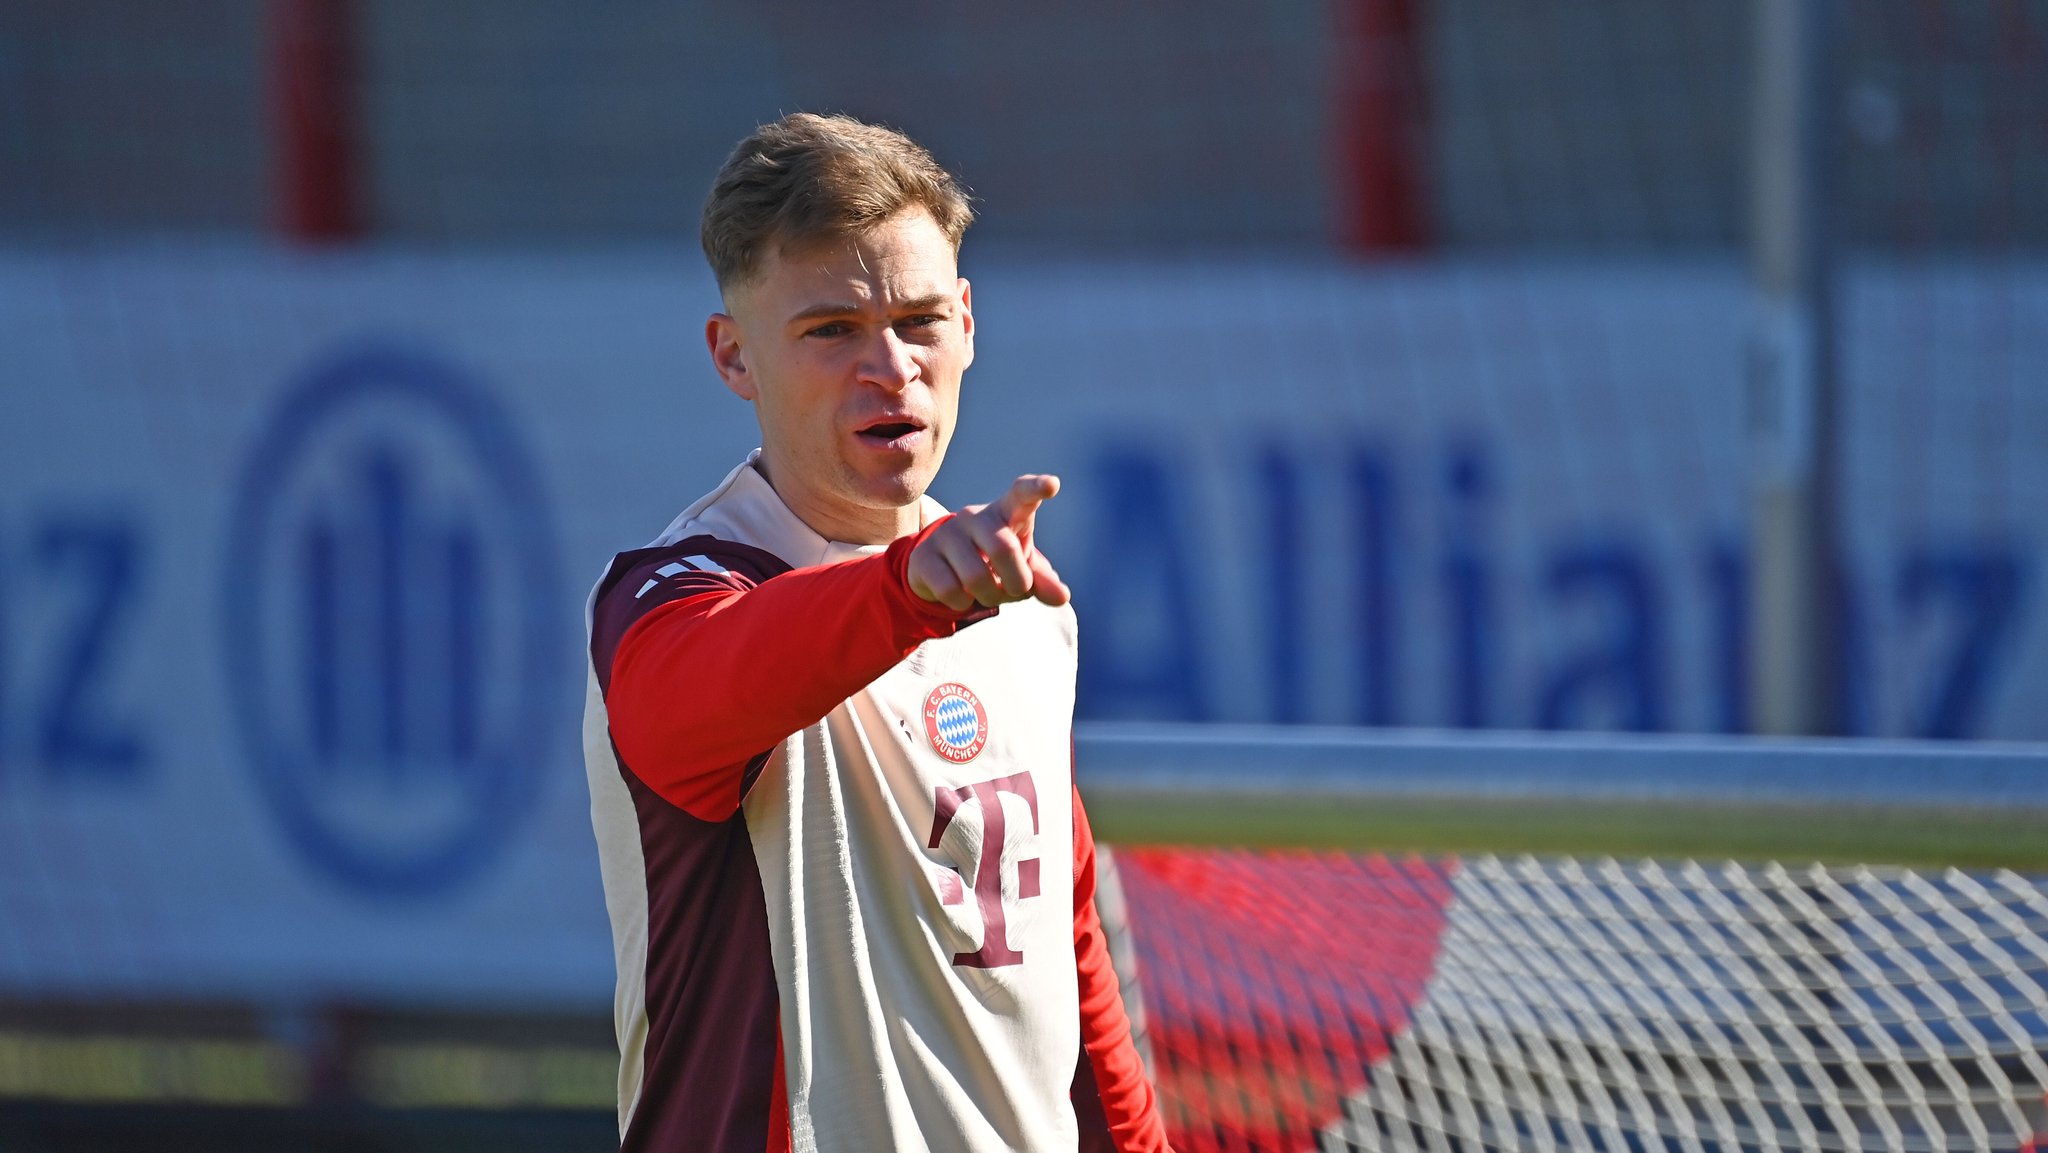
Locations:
(828, 731)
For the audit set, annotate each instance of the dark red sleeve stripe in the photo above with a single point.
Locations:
(1128, 1107)
(723, 668)
(643, 580)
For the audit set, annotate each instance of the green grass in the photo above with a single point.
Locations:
(1974, 838)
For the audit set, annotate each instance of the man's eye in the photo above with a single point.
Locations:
(832, 329)
(924, 321)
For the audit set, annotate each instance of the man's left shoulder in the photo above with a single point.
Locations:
(1041, 619)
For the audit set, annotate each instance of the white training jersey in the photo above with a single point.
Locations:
(912, 853)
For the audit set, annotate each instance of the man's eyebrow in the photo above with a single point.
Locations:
(926, 303)
(822, 311)
(846, 308)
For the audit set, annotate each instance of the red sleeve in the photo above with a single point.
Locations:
(1128, 1105)
(718, 669)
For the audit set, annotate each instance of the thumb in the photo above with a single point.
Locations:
(1046, 584)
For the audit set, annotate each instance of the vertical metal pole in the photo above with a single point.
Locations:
(317, 138)
(1791, 397)
(1379, 125)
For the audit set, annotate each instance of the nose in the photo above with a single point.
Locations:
(889, 362)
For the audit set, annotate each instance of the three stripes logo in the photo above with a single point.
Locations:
(698, 563)
(955, 722)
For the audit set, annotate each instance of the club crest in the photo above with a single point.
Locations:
(955, 722)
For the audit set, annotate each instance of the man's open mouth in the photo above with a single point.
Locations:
(884, 432)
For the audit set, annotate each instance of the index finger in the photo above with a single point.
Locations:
(1015, 507)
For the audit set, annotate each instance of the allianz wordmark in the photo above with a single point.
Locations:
(1428, 568)
(391, 595)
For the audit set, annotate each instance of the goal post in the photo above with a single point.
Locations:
(1348, 998)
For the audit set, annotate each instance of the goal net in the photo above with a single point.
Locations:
(1360, 1002)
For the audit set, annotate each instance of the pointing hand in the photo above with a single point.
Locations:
(984, 555)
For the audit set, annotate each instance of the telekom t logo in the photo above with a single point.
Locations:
(995, 950)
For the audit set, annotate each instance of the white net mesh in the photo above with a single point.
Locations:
(1597, 1005)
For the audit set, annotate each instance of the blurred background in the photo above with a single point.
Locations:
(1596, 367)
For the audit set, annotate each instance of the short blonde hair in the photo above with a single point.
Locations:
(808, 178)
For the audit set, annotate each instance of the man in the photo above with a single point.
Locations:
(829, 726)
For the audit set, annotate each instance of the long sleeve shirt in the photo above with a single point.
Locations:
(850, 880)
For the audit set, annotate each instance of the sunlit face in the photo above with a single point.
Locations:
(852, 353)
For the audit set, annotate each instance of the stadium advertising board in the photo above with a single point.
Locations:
(293, 552)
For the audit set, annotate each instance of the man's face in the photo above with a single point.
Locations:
(852, 353)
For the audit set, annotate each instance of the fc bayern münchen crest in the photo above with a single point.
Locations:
(955, 722)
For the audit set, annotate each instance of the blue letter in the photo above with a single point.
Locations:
(1372, 500)
(1630, 663)
(1728, 592)
(1985, 586)
(77, 735)
(1143, 658)
(1468, 585)
(1280, 489)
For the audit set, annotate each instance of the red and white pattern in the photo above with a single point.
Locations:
(1325, 1001)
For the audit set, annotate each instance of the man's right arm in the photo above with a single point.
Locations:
(704, 670)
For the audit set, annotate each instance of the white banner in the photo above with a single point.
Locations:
(293, 552)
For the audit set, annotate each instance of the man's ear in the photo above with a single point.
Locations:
(722, 337)
(967, 317)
